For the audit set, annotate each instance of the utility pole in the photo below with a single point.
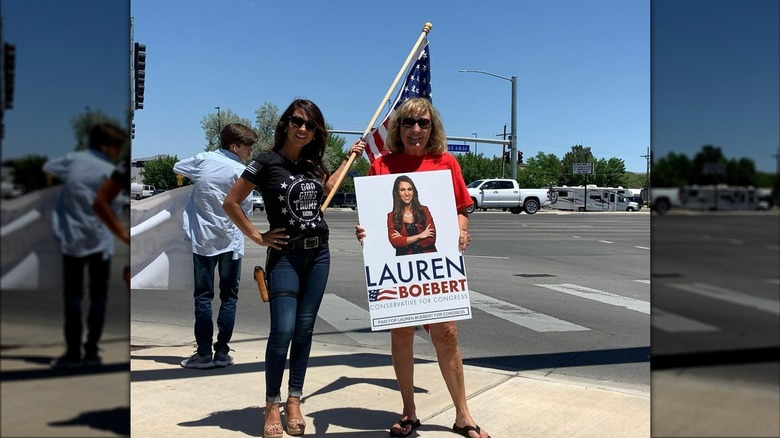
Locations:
(647, 174)
(503, 152)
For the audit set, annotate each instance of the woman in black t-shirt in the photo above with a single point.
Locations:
(293, 181)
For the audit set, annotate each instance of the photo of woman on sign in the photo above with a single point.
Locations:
(410, 226)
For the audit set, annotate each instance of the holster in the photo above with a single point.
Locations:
(261, 283)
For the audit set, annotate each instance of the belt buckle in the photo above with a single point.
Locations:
(311, 242)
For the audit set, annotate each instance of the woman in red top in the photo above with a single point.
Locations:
(410, 226)
(417, 142)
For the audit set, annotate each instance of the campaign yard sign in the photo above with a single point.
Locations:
(415, 273)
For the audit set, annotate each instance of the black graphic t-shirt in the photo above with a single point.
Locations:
(293, 197)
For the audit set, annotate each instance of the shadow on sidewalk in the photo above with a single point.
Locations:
(116, 420)
(362, 422)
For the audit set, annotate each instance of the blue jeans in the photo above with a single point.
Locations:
(73, 274)
(229, 277)
(296, 285)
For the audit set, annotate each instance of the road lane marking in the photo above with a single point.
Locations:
(643, 281)
(353, 321)
(605, 241)
(730, 296)
(674, 323)
(600, 296)
(641, 247)
(521, 316)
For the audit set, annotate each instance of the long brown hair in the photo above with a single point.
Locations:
(398, 203)
(312, 154)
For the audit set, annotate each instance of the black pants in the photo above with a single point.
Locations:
(73, 274)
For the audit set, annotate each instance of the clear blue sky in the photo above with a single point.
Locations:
(70, 55)
(583, 68)
(716, 78)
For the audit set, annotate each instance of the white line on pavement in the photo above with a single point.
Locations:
(521, 316)
(601, 296)
(353, 321)
(673, 323)
(730, 296)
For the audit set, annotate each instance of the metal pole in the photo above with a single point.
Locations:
(513, 139)
(513, 146)
(503, 149)
(475, 142)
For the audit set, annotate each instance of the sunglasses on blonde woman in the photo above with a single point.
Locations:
(298, 122)
(408, 122)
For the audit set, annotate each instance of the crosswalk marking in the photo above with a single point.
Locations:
(730, 296)
(352, 320)
(673, 323)
(600, 296)
(521, 316)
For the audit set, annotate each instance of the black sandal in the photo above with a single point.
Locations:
(403, 423)
(464, 431)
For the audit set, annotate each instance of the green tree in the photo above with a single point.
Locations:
(266, 118)
(29, 173)
(543, 170)
(708, 166)
(634, 180)
(610, 173)
(159, 172)
(82, 124)
(674, 170)
(474, 167)
(741, 172)
(213, 123)
(578, 154)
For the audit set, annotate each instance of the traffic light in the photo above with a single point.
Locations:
(132, 130)
(519, 157)
(139, 73)
(507, 157)
(9, 66)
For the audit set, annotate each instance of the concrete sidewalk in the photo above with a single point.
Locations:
(351, 392)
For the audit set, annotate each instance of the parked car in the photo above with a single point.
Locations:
(344, 200)
(257, 201)
(639, 202)
(158, 191)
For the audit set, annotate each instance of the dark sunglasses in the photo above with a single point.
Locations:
(298, 122)
(408, 122)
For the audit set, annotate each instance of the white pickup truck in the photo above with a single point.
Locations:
(506, 194)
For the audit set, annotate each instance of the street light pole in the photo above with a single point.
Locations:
(513, 138)
(513, 145)
(475, 143)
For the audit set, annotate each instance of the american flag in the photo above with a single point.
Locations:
(381, 295)
(417, 84)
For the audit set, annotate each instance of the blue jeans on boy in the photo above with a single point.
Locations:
(296, 284)
(99, 270)
(229, 271)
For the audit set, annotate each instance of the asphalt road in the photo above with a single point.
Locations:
(716, 312)
(557, 293)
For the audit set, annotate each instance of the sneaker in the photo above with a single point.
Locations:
(222, 359)
(66, 362)
(93, 360)
(197, 361)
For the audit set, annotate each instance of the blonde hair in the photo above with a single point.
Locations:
(437, 142)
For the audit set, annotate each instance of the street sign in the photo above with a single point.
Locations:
(582, 168)
(458, 147)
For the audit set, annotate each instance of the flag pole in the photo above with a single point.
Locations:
(426, 28)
